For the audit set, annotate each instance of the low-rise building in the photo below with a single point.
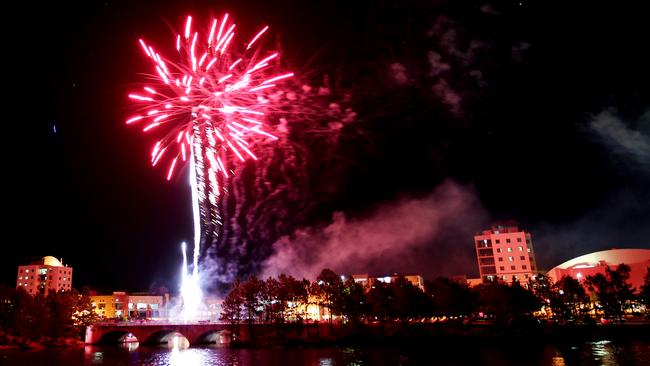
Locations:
(367, 281)
(120, 305)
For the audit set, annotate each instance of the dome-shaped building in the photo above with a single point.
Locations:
(596, 262)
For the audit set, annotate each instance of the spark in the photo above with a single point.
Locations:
(206, 93)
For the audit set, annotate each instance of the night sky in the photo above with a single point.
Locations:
(537, 111)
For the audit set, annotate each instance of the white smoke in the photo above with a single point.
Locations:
(623, 139)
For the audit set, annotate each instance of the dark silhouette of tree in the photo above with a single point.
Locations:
(568, 298)
(354, 304)
(409, 301)
(644, 292)
(58, 316)
(613, 291)
(233, 304)
(328, 289)
(449, 298)
(252, 294)
(380, 300)
(507, 302)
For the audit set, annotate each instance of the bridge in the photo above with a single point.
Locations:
(151, 332)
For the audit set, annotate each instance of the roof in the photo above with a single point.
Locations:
(610, 257)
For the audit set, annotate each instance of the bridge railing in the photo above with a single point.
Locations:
(130, 323)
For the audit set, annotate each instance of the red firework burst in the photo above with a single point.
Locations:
(210, 102)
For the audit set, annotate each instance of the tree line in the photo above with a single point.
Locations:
(43, 319)
(287, 299)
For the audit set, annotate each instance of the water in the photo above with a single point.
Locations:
(605, 353)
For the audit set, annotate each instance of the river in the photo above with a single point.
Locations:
(606, 353)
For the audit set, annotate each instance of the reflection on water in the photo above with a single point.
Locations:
(606, 353)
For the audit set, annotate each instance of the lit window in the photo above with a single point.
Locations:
(509, 250)
(498, 250)
(528, 250)
(516, 277)
(521, 249)
(511, 259)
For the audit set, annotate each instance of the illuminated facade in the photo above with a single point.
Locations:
(591, 264)
(121, 305)
(44, 276)
(368, 281)
(506, 253)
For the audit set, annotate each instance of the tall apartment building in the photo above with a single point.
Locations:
(44, 276)
(505, 252)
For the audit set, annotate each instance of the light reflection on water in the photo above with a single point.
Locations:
(632, 353)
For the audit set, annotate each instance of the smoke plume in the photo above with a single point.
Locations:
(430, 235)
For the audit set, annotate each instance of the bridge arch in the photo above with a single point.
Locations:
(118, 336)
(219, 337)
(169, 337)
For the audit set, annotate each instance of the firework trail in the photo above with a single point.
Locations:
(267, 199)
(210, 105)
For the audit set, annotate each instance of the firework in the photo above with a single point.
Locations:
(208, 105)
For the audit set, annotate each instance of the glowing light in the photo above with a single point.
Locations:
(204, 95)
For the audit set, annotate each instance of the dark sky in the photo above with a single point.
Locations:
(538, 108)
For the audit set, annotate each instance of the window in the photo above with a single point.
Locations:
(498, 250)
(516, 277)
(521, 249)
(521, 257)
(507, 240)
(528, 250)
(524, 267)
(518, 240)
(532, 267)
(498, 241)
(509, 250)
(512, 268)
(500, 259)
(502, 268)
(511, 259)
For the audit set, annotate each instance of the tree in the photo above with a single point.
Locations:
(409, 300)
(612, 290)
(507, 303)
(644, 293)
(567, 298)
(232, 304)
(449, 298)
(354, 304)
(380, 301)
(252, 295)
(328, 288)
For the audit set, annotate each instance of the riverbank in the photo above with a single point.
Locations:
(13, 342)
(325, 335)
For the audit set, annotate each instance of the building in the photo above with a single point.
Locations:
(121, 305)
(597, 262)
(44, 276)
(505, 252)
(367, 281)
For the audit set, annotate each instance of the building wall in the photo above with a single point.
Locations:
(593, 263)
(120, 305)
(367, 281)
(43, 279)
(505, 252)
